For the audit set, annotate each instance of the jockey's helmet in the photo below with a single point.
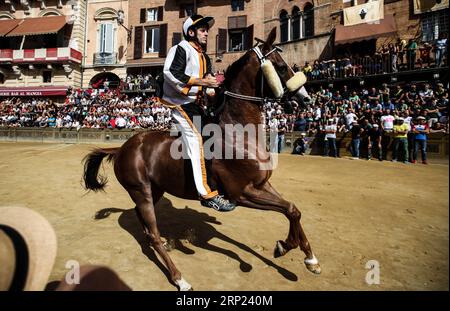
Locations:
(195, 21)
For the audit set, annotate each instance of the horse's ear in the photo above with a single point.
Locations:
(270, 39)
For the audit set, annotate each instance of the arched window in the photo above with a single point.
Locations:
(308, 20)
(295, 23)
(284, 26)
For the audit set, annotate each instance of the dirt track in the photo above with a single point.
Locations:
(352, 212)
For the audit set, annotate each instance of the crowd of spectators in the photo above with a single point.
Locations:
(92, 108)
(390, 58)
(361, 112)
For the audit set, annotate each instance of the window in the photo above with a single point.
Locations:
(236, 42)
(106, 38)
(237, 5)
(434, 24)
(47, 76)
(186, 9)
(308, 20)
(189, 9)
(151, 39)
(284, 26)
(296, 23)
(152, 15)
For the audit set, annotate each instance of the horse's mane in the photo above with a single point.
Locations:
(235, 68)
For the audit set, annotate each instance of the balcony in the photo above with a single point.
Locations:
(49, 55)
(102, 59)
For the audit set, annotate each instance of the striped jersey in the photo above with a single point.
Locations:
(184, 63)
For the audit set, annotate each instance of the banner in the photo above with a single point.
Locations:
(423, 6)
(37, 92)
(369, 12)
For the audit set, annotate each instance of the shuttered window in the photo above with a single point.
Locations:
(237, 5)
(106, 38)
(237, 22)
(151, 39)
(176, 38)
(138, 32)
(151, 14)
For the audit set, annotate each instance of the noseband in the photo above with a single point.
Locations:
(262, 59)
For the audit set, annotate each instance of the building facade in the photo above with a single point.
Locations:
(107, 39)
(86, 43)
(41, 46)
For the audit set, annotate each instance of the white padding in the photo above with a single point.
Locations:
(311, 261)
(272, 78)
(296, 82)
(183, 285)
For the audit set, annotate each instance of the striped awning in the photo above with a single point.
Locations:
(8, 24)
(39, 26)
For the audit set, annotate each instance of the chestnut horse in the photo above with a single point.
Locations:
(145, 168)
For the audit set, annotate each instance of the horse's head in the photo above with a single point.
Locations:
(284, 83)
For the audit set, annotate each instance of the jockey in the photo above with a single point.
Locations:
(187, 70)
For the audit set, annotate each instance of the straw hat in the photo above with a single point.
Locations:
(28, 249)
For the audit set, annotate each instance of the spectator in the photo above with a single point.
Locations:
(393, 56)
(300, 145)
(374, 142)
(411, 54)
(420, 140)
(330, 139)
(440, 49)
(400, 138)
(356, 131)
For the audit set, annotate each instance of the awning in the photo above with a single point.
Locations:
(348, 34)
(34, 91)
(39, 26)
(8, 25)
(145, 62)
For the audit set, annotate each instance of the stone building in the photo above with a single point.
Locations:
(41, 46)
(107, 39)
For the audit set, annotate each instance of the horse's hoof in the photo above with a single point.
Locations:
(183, 286)
(312, 264)
(280, 250)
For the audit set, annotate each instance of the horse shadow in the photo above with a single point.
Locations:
(181, 228)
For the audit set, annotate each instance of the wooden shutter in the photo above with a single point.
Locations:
(232, 22)
(237, 22)
(162, 40)
(249, 37)
(222, 41)
(176, 38)
(143, 18)
(138, 32)
(109, 38)
(160, 13)
(182, 12)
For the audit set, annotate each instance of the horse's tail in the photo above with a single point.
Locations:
(92, 181)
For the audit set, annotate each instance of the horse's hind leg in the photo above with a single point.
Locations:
(146, 214)
(267, 198)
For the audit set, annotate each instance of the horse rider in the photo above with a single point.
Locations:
(187, 70)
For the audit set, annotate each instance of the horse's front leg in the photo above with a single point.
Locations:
(267, 198)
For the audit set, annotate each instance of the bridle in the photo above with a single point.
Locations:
(262, 58)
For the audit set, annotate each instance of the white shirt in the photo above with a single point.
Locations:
(388, 122)
(349, 118)
(332, 127)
